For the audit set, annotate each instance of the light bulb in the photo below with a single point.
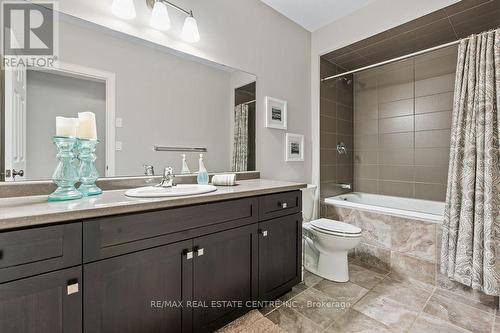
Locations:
(159, 17)
(190, 30)
(124, 9)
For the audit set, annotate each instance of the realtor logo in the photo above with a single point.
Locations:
(29, 31)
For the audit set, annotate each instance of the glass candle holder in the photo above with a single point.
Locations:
(66, 174)
(88, 172)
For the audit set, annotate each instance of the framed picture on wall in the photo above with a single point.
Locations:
(294, 145)
(276, 113)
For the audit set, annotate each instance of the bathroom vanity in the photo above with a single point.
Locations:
(187, 264)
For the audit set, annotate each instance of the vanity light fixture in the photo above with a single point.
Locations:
(159, 17)
(124, 9)
(161, 21)
(190, 30)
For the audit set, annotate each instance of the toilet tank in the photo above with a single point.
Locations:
(309, 203)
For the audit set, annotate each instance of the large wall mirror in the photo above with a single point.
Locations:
(152, 105)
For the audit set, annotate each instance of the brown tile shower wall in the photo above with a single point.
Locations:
(336, 125)
(402, 120)
(407, 249)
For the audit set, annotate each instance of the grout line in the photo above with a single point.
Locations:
(494, 321)
(309, 287)
(297, 312)
(422, 310)
(384, 277)
(451, 25)
(356, 302)
(307, 319)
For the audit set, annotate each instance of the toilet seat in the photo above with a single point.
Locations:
(335, 228)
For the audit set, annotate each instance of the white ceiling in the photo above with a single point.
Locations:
(314, 14)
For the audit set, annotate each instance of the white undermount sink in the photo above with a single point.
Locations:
(175, 191)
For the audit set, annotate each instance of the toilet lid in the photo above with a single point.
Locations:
(335, 226)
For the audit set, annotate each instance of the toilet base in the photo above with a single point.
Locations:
(332, 266)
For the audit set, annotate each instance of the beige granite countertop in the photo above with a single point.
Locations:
(19, 212)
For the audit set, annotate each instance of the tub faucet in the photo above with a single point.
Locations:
(168, 178)
(345, 186)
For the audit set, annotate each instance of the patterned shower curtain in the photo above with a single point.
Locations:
(240, 140)
(470, 252)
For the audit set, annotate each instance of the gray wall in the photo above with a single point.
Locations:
(162, 99)
(48, 96)
(244, 34)
(402, 120)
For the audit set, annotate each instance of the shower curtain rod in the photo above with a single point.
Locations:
(249, 102)
(385, 62)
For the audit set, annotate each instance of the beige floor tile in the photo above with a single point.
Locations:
(268, 309)
(341, 292)
(403, 292)
(291, 321)
(427, 324)
(311, 279)
(356, 322)
(297, 289)
(411, 281)
(496, 326)
(364, 277)
(319, 307)
(397, 316)
(475, 299)
(459, 314)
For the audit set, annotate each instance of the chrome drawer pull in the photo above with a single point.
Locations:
(264, 233)
(200, 252)
(189, 255)
(72, 288)
(283, 204)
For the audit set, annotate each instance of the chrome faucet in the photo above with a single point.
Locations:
(168, 178)
(345, 186)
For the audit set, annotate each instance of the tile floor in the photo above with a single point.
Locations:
(375, 302)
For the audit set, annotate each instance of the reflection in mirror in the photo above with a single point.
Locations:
(143, 95)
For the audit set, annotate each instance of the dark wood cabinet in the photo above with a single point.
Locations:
(224, 276)
(140, 292)
(34, 251)
(187, 269)
(47, 303)
(280, 250)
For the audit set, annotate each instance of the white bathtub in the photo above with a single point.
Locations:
(402, 207)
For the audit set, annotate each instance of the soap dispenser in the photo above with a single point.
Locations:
(185, 168)
(202, 177)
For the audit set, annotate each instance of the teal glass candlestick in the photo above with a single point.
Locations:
(66, 174)
(88, 172)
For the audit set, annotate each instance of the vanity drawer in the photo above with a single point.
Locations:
(39, 250)
(115, 235)
(280, 204)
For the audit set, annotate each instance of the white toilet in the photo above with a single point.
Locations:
(326, 242)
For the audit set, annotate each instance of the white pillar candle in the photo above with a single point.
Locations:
(66, 126)
(86, 126)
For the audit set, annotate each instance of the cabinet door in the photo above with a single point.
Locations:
(140, 292)
(48, 303)
(225, 269)
(280, 257)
